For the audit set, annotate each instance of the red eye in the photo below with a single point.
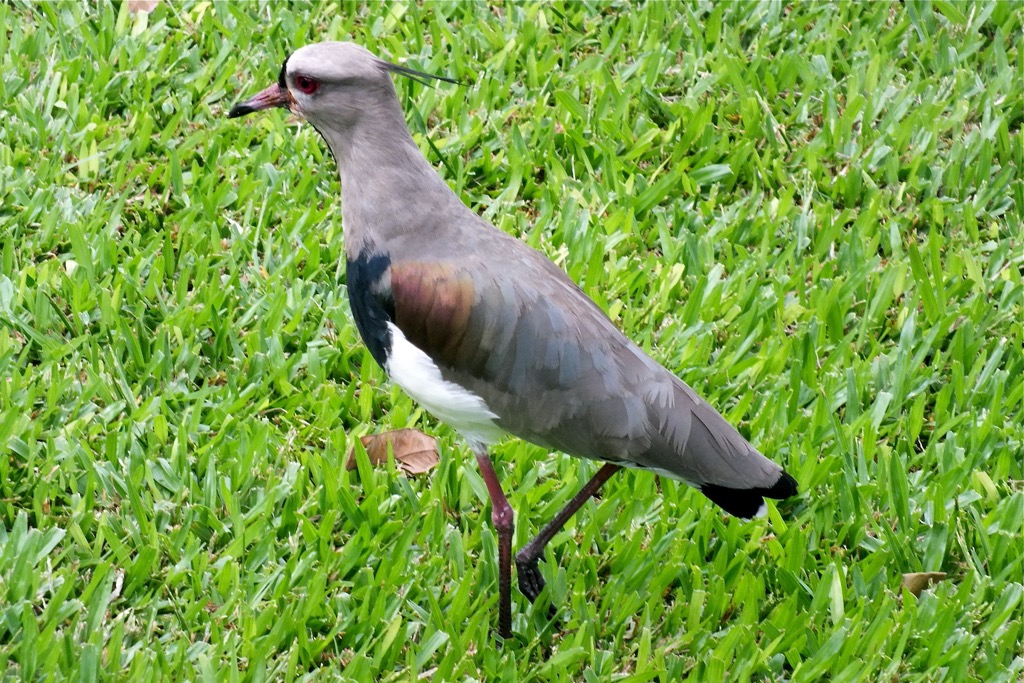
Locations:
(307, 85)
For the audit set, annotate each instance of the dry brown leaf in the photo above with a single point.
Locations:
(415, 452)
(144, 6)
(918, 581)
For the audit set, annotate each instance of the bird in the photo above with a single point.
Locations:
(486, 333)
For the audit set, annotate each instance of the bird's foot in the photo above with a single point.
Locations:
(531, 583)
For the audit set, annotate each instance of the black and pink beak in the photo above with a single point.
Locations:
(274, 96)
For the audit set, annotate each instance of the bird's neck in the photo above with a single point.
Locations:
(388, 189)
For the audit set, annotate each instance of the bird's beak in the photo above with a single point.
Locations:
(274, 96)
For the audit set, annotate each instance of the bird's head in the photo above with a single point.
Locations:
(330, 85)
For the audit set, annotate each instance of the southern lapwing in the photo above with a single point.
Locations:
(485, 332)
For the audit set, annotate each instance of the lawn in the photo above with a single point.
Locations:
(811, 213)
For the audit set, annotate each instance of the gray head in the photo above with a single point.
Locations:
(330, 85)
(346, 93)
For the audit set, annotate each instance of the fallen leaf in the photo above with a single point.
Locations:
(918, 581)
(144, 6)
(415, 452)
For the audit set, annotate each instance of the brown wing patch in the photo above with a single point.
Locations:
(433, 302)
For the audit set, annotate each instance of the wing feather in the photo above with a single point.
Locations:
(550, 364)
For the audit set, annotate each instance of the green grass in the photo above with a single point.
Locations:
(812, 213)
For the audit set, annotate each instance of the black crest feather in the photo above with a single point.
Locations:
(418, 76)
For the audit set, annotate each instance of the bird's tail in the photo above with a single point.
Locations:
(694, 443)
(749, 503)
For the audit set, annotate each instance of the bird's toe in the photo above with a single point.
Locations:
(531, 583)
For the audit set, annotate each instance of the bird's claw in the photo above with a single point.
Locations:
(531, 583)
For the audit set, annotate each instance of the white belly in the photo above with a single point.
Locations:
(418, 376)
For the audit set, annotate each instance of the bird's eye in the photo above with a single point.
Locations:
(307, 85)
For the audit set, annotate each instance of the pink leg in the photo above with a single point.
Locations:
(502, 518)
(530, 581)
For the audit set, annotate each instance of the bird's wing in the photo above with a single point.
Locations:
(538, 352)
(554, 370)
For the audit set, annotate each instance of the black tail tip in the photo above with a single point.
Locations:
(785, 487)
(749, 503)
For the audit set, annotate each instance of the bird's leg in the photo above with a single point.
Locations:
(502, 518)
(530, 581)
